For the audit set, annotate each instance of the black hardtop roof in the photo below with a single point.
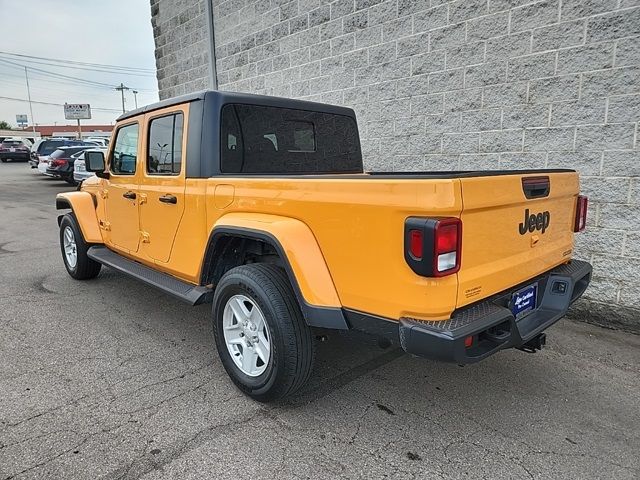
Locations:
(247, 98)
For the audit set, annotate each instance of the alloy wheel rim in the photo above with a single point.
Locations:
(70, 248)
(246, 335)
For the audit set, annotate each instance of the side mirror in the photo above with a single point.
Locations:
(94, 162)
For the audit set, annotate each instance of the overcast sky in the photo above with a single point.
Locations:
(112, 32)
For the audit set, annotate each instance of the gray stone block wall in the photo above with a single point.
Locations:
(182, 59)
(466, 84)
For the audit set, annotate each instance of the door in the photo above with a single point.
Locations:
(162, 183)
(122, 190)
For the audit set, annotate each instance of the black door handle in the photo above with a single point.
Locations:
(168, 199)
(129, 195)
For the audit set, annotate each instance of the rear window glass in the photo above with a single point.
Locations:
(48, 147)
(258, 139)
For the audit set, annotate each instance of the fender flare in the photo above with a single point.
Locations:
(302, 258)
(83, 206)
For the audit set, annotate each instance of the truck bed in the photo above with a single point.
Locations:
(358, 221)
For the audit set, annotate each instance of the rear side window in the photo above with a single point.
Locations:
(57, 154)
(165, 145)
(125, 150)
(258, 139)
(65, 152)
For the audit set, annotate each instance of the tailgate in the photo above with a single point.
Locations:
(500, 248)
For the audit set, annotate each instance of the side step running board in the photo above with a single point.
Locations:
(192, 294)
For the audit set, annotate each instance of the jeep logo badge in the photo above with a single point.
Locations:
(534, 221)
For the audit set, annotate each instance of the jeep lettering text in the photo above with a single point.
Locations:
(534, 222)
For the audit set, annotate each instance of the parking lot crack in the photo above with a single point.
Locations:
(51, 410)
(142, 465)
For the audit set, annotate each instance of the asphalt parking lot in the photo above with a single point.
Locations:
(111, 379)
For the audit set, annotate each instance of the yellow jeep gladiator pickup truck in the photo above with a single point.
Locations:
(260, 205)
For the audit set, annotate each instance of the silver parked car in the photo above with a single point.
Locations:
(80, 173)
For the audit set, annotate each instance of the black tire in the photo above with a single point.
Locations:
(292, 346)
(85, 268)
(4, 160)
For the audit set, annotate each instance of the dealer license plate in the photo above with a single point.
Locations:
(523, 302)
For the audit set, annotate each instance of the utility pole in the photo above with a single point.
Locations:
(26, 76)
(135, 97)
(122, 88)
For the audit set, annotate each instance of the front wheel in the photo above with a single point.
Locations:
(74, 250)
(262, 339)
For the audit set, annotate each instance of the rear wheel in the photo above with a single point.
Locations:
(262, 339)
(74, 250)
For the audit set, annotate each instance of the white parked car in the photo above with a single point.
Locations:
(101, 141)
(43, 165)
(80, 173)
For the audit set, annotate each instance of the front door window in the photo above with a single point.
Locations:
(125, 151)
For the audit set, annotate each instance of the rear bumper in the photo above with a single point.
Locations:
(489, 322)
(14, 155)
(58, 173)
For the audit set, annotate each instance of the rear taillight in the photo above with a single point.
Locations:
(416, 246)
(433, 245)
(581, 214)
(447, 251)
(57, 163)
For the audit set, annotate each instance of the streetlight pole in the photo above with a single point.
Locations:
(135, 97)
(122, 88)
(26, 76)
(211, 44)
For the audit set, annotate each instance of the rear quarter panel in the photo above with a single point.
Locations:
(359, 225)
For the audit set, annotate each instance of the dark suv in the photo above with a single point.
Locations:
(61, 162)
(13, 150)
(47, 147)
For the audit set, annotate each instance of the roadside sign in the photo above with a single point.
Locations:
(77, 111)
(21, 119)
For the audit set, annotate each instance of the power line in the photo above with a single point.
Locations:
(90, 69)
(57, 104)
(47, 87)
(58, 75)
(45, 82)
(103, 65)
(77, 80)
